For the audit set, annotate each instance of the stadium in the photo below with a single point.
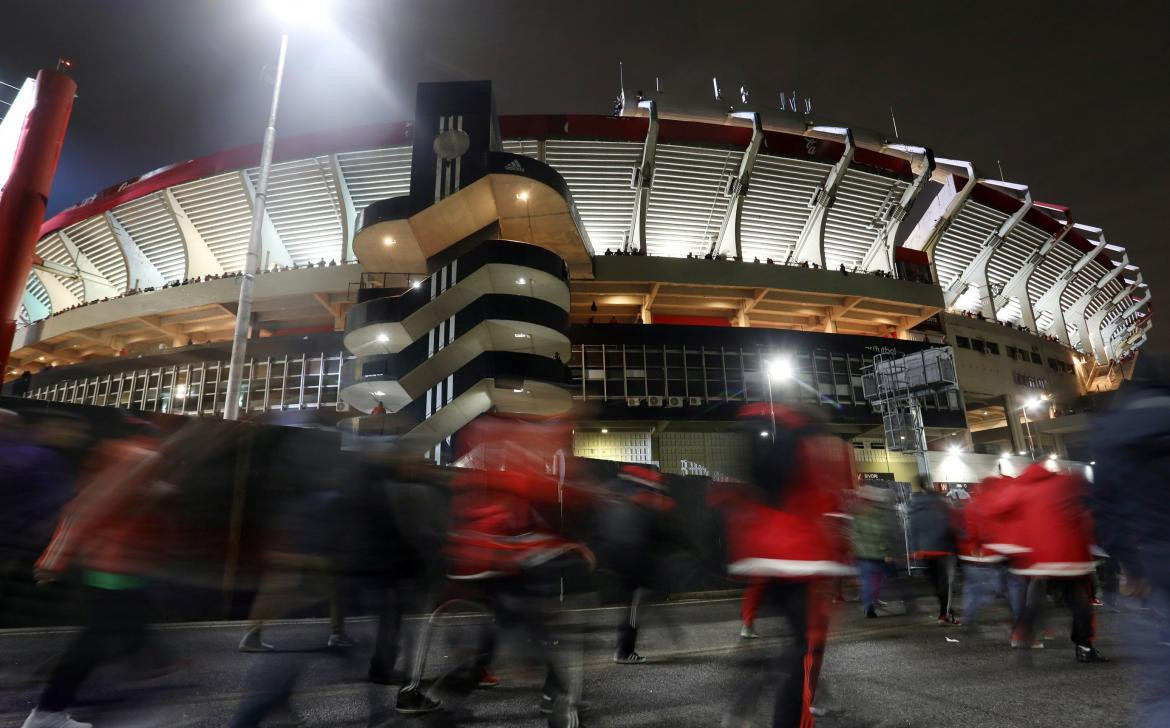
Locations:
(645, 271)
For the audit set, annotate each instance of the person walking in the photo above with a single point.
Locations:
(1054, 534)
(874, 535)
(1130, 499)
(779, 526)
(932, 541)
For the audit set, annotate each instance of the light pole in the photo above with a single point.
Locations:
(290, 13)
(231, 405)
(779, 369)
(1033, 402)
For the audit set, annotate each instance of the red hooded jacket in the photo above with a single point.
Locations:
(1043, 522)
(797, 536)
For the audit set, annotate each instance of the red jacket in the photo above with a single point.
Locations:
(977, 531)
(114, 523)
(798, 537)
(1044, 523)
(512, 474)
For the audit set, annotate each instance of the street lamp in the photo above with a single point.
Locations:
(290, 13)
(779, 369)
(1030, 404)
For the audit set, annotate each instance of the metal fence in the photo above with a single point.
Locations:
(284, 383)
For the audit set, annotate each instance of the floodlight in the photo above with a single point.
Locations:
(779, 369)
(299, 13)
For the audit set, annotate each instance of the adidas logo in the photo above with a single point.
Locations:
(514, 166)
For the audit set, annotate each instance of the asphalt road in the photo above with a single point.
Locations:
(893, 671)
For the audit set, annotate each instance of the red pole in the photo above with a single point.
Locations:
(22, 201)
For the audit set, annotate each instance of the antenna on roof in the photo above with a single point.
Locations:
(743, 95)
(807, 105)
(715, 84)
(657, 86)
(792, 101)
(894, 121)
(783, 101)
(1001, 178)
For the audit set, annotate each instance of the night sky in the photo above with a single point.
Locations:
(1071, 98)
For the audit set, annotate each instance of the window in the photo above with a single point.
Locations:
(993, 348)
(1053, 365)
(963, 341)
(1036, 358)
(1011, 351)
(977, 345)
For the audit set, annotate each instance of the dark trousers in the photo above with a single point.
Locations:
(530, 604)
(796, 668)
(1076, 593)
(939, 572)
(115, 627)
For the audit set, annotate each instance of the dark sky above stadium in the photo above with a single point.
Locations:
(1071, 98)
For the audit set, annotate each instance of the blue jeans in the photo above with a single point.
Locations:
(870, 574)
(983, 581)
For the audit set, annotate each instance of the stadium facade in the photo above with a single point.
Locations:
(643, 270)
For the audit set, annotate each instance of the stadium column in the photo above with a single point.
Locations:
(1050, 300)
(140, 271)
(978, 267)
(810, 244)
(1017, 285)
(25, 194)
(738, 185)
(644, 178)
(943, 209)
(880, 255)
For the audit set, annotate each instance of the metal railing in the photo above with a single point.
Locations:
(295, 382)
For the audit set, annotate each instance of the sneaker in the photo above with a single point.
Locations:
(1018, 642)
(340, 641)
(748, 633)
(488, 680)
(546, 705)
(1097, 602)
(817, 712)
(252, 643)
(52, 719)
(871, 613)
(632, 658)
(1090, 654)
(948, 619)
(412, 701)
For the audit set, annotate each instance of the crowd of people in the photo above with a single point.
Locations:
(188, 281)
(845, 271)
(524, 531)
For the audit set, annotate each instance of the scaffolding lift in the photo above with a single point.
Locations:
(894, 383)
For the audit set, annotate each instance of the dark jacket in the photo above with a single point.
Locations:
(1131, 489)
(931, 527)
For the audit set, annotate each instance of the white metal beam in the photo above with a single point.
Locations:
(810, 244)
(943, 208)
(880, 255)
(737, 190)
(60, 297)
(272, 250)
(642, 180)
(976, 268)
(346, 212)
(140, 272)
(1017, 285)
(95, 283)
(200, 261)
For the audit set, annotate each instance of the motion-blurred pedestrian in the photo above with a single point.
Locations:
(779, 526)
